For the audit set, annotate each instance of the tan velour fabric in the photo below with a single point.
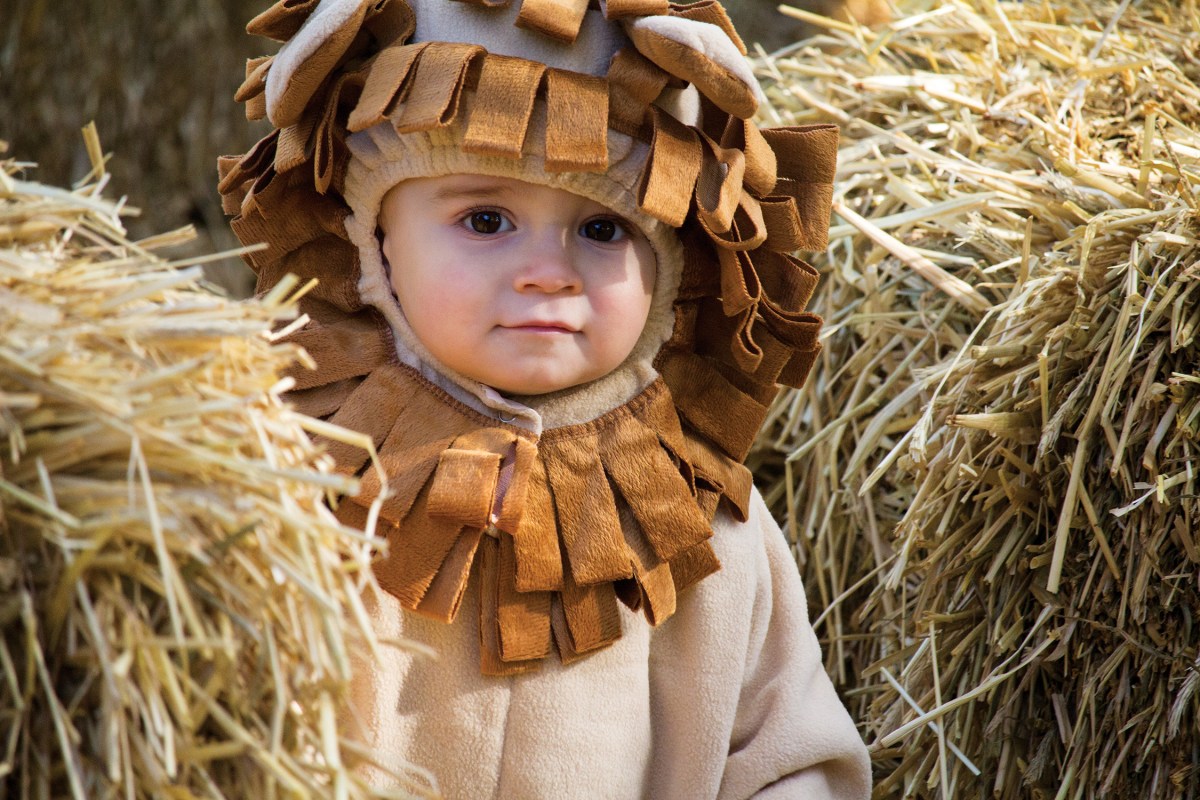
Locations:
(727, 699)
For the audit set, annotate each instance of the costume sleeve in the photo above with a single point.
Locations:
(792, 736)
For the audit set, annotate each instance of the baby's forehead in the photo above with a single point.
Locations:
(467, 189)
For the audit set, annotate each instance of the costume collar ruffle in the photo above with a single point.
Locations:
(560, 527)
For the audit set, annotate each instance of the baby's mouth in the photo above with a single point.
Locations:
(541, 326)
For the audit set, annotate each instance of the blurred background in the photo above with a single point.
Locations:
(158, 77)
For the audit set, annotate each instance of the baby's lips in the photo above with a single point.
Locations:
(547, 325)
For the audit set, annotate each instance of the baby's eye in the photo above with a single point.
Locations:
(487, 221)
(602, 229)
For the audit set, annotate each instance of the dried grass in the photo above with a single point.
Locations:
(992, 473)
(179, 609)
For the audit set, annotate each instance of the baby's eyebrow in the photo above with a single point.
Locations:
(485, 191)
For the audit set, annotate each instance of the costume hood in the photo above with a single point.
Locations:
(644, 103)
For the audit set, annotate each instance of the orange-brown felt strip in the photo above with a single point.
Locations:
(426, 426)
(807, 162)
(747, 354)
(445, 594)
(407, 471)
(390, 21)
(324, 143)
(669, 177)
(539, 553)
(716, 333)
(587, 511)
(368, 410)
(775, 355)
(558, 19)
(813, 200)
(468, 475)
(512, 509)
(503, 106)
(652, 576)
(256, 108)
(729, 477)
(354, 515)
(701, 270)
(653, 488)
(324, 400)
(785, 231)
(719, 187)
(615, 9)
(314, 253)
(592, 615)
(293, 149)
(490, 661)
(237, 170)
(748, 230)
(386, 84)
(797, 369)
(497, 438)
(740, 287)
(709, 501)
(281, 21)
(311, 74)
(256, 78)
(561, 631)
(328, 346)
(464, 486)
(576, 122)
(713, 13)
(417, 548)
(806, 153)
(788, 284)
(634, 82)
(660, 414)
(524, 617)
(694, 565)
(714, 406)
(800, 331)
(744, 135)
(435, 86)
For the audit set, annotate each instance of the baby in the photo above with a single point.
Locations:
(556, 292)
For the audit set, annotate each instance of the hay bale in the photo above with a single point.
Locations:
(158, 78)
(992, 472)
(178, 606)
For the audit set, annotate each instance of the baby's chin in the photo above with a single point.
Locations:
(536, 388)
(538, 384)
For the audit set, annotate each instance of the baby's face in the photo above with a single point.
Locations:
(522, 287)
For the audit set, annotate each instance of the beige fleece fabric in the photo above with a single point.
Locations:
(727, 699)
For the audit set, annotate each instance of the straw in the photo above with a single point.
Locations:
(997, 441)
(179, 606)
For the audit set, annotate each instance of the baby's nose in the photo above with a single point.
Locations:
(548, 267)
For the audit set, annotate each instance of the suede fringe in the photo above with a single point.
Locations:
(589, 514)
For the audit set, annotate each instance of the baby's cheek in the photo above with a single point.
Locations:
(625, 319)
